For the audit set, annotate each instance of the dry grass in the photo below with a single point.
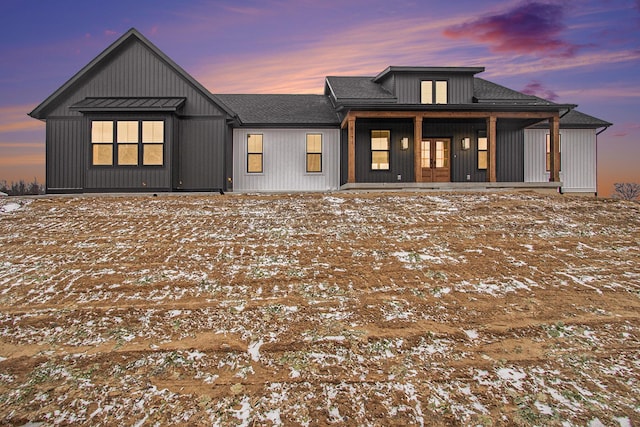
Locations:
(357, 309)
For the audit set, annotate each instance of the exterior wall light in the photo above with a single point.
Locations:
(466, 143)
(404, 143)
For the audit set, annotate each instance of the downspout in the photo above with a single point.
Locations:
(598, 133)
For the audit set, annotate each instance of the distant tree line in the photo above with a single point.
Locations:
(22, 188)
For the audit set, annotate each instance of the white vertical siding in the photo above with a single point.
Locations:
(284, 161)
(578, 157)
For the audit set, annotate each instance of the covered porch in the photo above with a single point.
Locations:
(421, 120)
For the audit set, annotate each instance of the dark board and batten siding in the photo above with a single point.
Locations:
(137, 72)
(197, 133)
(401, 161)
(201, 154)
(66, 146)
(510, 155)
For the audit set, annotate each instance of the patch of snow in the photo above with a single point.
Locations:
(543, 409)
(254, 350)
(512, 376)
(471, 333)
(244, 413)
(335, 200)
(623, 421)
(9, 207)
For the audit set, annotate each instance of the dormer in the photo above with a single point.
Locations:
(429, 85)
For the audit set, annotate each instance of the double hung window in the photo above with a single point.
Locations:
(380, 149)
(254, 153)
(314, 152)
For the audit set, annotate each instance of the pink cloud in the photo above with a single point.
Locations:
(536, 88)
(528, 28)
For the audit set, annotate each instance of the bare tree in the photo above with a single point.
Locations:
(626, 190)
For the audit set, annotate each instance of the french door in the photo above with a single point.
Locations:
(435, 160)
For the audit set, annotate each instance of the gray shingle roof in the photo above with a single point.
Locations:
(575, 119)
(488, 92)
(282, 109)
(362, 88)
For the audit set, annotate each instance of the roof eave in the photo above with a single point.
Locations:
(457, 70)
(457, 107)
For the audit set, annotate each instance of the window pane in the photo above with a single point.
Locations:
(426, 92)
(380, 160)
(482, 159)
(102, 154)
(380, 139)
(482, 143)
(128, 154)
(314, 162)
(442, 154)
(101, 131)
(254, 163)
(254, 143)
(426, 154)
(127, 131)
(314, 143)
(152, 154)
(441, 92)
(153, 131)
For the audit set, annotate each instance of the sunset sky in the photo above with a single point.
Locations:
(585, 52)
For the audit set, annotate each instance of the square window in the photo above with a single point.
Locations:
(128, 154)
(153, 155)
(127, 131)
(102, 154)
(434, 92)
(102, 131)
(153, 131)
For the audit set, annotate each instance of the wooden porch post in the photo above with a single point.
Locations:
(417, 148)
(554, 148)
(351, 165)
(491, 155)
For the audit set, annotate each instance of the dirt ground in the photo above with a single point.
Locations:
(341, 308)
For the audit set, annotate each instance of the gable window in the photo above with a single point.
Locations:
(548, 161)
(119, 142)
(380, 149)
(482, 149)
(254, 153)
(434, 92)
(314, 152)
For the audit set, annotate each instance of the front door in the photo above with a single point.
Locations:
(435, 160)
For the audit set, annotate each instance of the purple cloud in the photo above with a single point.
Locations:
(536, 88)
(530, 27)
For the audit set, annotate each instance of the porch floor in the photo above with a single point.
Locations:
(454, 186)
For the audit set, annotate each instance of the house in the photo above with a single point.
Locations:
(133, 120)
